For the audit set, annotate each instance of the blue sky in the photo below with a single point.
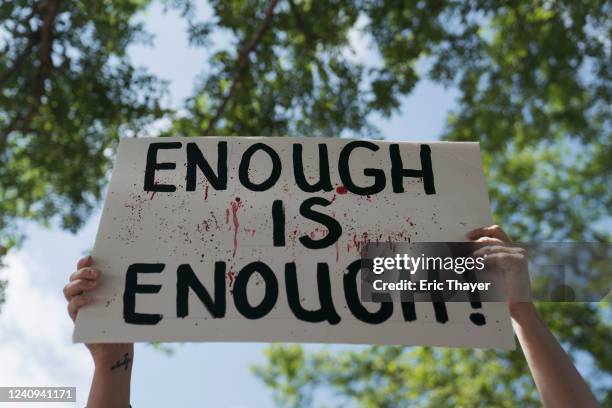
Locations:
(35, 331)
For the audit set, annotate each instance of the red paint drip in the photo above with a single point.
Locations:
(227, 215)
(337, 252)
(153, 193)
(365, 238)
(341, 190)
(230, 277)
(337, 249)
(235, 206)
(356, 243)
(206, 192)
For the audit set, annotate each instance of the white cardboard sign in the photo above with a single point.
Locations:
(243, 239)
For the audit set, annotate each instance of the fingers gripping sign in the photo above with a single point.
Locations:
(81, 283)
(506, 265)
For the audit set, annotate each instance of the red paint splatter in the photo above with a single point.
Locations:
(235, 206)
(214, 218)
(206, 192)
(203, 226)
(337, 251)
(153, 193)
(230, 278)
(341, 190)
(227, 215)
(357, 242)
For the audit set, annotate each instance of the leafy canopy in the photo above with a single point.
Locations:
(67, 92)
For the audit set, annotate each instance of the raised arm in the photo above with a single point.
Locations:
(110, 386)
(558, 381)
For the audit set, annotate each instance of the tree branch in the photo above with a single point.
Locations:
(18, 62)
(310, 37)
(49, 10)
(21, 58)
(242, 63)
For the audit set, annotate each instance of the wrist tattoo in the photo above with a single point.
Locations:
(125, 363)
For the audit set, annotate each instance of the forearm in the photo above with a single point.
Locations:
(557, 380)
(110, 386)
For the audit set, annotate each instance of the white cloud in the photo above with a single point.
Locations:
(35, 333)
(361, 47)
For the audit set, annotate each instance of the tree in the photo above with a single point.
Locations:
(379, 376)
(534, 88)
(68, 92)
(534, 82)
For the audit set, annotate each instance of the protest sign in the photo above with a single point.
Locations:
(258, 239)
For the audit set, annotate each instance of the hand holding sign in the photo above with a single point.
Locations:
(507, 262)
(78, 294)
